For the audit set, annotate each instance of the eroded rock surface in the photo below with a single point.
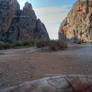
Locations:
(63, 83)
(16, 24)
(77, 26)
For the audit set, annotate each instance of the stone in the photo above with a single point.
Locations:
(17, 24)
(78, 23)
(62, 83)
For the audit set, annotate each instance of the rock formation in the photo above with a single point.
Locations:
(16, 24)
(77, 26)
(70, 83)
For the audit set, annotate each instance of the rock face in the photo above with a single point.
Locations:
(62, 83)
(16, 24)
(77, 26)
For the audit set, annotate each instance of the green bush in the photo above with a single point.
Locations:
(57, 45)
(51, 44)
(1, 47)
(5, 46)
(25, 42)
(41, 43)
(17, 44)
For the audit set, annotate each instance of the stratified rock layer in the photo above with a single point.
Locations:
(16, 24)
(77, 26)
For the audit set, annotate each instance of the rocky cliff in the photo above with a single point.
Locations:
(16, 24)
(77, 26)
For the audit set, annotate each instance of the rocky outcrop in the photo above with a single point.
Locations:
(62, 83)
(77, 26)
(16, 24)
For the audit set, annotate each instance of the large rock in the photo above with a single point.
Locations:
(16, 24)
(77, 26)
(70, 83)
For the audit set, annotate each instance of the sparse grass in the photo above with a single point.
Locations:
(51, 44)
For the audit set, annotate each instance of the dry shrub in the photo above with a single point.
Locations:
(5, 46)
(52, 45)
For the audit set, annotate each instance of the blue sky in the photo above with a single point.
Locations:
(51, 13)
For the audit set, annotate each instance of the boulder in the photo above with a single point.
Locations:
(63, 83)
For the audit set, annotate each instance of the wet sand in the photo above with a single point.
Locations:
(26, 64)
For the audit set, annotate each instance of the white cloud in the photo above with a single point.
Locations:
(52, 17)
(51, 9)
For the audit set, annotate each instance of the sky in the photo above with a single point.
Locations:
(51, 13)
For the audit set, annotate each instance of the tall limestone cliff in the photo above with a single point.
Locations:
(77, 26)
(16, 24)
